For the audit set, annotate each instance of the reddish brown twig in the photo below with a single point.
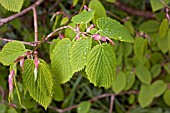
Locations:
(132, 11)
(94, 99)
(10, 18)
(27, 43)
(111, 103)
(56, 30)
(35, 25)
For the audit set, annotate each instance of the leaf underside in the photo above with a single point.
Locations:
(101, 65)
(60, 61)
(79, 52)
(41, 89)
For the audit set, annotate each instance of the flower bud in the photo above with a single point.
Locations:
(96, 37)
(77, 37)
(103, 39)
(61, 36)
(90, 27)
(85, 7)
(10, 79)
(22, 63)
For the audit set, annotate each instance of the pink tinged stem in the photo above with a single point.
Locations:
(103, 39)
(110, 40)
(36, 62)
(77, 37)
(96, 37)
(85, 7)
(36, 59)
(22, 63)
(61, 36)
(10, 79)
(90, 27)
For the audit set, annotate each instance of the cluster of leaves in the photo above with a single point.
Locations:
(68, 57)
(143, 65)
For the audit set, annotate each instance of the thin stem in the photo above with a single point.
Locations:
(100, 96)
(10, 18)
(111, 103)
(35, 25)
(94, 99)
(82, 6)
(56, 30)
(166, 5)
(167, 14)
(110, 41)
(27, 43)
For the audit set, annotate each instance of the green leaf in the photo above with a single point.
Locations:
(11, 51)
(3, 108)
(83, 17)
(146, 95)
(163, 44)
(130, 79)
(79, 52)
(12, 5)
(166, 97)
(119, 54)
(167, 67)
(131, 99)
(113, 29)
(163, 29)
(69, 33)
(128, 25)
(41, 89)
(143, 74)
(12, 110)
(52, 46)
(156, 57)
(139, 47)
(155, 70)
(159, 87)
(93, 31)
(20, 99)
(97, 6)
(28, 101)
(127, 49)
(147, 110)
(58, 94)
(84, 107)
(149, 26)
(60, 61)
(168, 36)
(57, 21)
(64, 21)
(157, 4)
(101, 65)
(111, 1)
(119, 83)
(75, 2)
